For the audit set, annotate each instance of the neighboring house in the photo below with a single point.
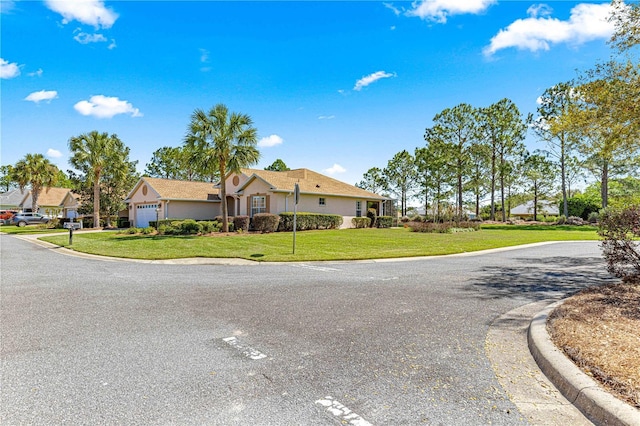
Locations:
(261, 191)
(155, 198)
(249, 192)
(54, 202)
(11, 200)
(545, 208)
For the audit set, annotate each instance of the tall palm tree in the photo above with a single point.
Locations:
(226, 141)
(36, 171)
(92, 153)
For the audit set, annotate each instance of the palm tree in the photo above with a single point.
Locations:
(92, 153)
(222, 140)
(36, 171)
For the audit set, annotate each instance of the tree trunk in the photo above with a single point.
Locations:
(563, 171)
(35, 194)
(604, 185)
(493, 187)
(535, 201)
(96, 200)
(223, 197)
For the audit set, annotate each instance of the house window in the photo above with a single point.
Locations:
(358, 208)
(322, 201)
(258, 204)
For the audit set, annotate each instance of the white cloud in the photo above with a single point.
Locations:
(536, 10)
(6, 6)
(391, 7)
(43, 95)
(204, 56)
(336, 168)
(538, 32)
(270, 141)
(85, 38)
(90, 12)
(53, 153)
(113, 45)
(439, 10)
(371, 78)
(9, 70)
(106, 107)
(326, 117)
(36, 73)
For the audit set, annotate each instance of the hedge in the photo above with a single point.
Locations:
(266, 222)
(241, 223)
(384, 222)
(361, 222)
(308, 221)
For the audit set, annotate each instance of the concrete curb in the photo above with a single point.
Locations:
(582, 391)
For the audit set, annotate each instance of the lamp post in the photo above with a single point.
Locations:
(157, 217)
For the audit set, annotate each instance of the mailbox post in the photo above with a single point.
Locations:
(71, 226)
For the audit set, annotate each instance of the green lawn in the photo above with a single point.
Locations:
(30, 229)
(346, 244)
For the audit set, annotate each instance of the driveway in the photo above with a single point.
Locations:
(386, 343)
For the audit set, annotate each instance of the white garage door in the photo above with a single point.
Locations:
(144, 214)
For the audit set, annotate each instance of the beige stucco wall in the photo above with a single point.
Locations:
(198, 210)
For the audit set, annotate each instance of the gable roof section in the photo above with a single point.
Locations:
(310, 182)
(50, 197)
(13, 198)
(170, 189)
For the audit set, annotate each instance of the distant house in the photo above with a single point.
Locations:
(545, 208)
(11, 200)
(249, 192)
(155, 198)
(54, 202)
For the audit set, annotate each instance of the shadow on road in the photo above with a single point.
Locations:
(539, 279)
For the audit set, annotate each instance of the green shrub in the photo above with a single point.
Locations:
(561, 220)
(241, 223)
(384, 222)
(620, 247)
(148, 230)
(190, 227)
(266, 222)
(593, 217)
(307, 221)
(360, 222)
(581, 207)
(444, 227)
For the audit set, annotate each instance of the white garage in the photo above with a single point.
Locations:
(145, 213)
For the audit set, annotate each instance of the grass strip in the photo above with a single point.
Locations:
(345, 244)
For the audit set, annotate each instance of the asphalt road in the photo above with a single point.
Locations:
(382, 343)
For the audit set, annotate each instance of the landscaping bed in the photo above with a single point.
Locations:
(599, 329)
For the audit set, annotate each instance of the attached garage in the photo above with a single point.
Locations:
(155, 198)
(145, 213)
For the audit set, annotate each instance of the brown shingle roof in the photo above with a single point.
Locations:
(48, 197)
(310, 182)
(183, 190)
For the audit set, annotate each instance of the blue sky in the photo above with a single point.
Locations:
(337, 87)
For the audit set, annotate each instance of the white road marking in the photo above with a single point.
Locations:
(244, 349)
(344, 415)
(313, 267)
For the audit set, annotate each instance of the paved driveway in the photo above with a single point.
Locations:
(388, 343)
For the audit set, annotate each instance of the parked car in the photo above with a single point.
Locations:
(6, 215)
(24, 219)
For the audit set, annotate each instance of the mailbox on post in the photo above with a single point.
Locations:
(71, 226)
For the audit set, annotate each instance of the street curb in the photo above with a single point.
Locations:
(582, 391)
